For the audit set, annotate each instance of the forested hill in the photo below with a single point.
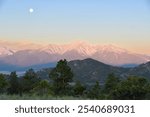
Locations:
(90, 70)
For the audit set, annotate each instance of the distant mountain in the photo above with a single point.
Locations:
(27, 54)
(142, 70)
(129, 65)
(4, 67)
(8, 67)
(27, 58)
(113, 57)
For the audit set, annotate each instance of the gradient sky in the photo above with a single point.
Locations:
(122, 22)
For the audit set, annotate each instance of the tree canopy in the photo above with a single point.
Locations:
(61, 75)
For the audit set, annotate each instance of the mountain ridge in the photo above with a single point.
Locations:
(89, 71)
(25, 54)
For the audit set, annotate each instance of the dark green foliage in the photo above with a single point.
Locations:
(3, 83)
(134, 88)
(78, 89)
(42, 88)
(61, 75)
(111, 83)
(148, 92)
(30, 80)
(13, 84)
(95, 92)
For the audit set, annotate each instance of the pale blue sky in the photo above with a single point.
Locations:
(122, 22)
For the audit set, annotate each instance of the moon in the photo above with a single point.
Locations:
(31, 10)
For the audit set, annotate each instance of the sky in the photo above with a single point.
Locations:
(125, 23)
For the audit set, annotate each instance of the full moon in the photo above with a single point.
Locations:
(31, 10)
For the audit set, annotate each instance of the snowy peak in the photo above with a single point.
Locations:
(83, 48)
(53, 49)
(4, 51)
(80, 47)
(112, 48)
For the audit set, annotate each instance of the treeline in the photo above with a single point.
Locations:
(61, 83)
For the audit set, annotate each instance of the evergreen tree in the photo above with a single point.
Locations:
(30, 80)
(42, 88)
(3, 83)
(111, 83)
(134, 88)
(14, 84)
(61, 75)
(95, 91)
(78, 89)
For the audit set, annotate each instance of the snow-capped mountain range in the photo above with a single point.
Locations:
(27, 54)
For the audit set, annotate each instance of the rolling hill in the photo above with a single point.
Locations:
(90, 70)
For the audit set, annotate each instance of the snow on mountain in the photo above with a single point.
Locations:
(26, 53)
(4, 51)
(83, 48)
(80, 47)
(53, 49)
(111, 48)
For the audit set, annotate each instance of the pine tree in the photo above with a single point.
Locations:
(111, 83)
(30, 80)
(14, 84)
(3, 83)
(61, 75)
(95, 91)
(133, 88)
(42, 88)
(78, 89)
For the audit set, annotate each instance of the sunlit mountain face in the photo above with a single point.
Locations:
(27, 54)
